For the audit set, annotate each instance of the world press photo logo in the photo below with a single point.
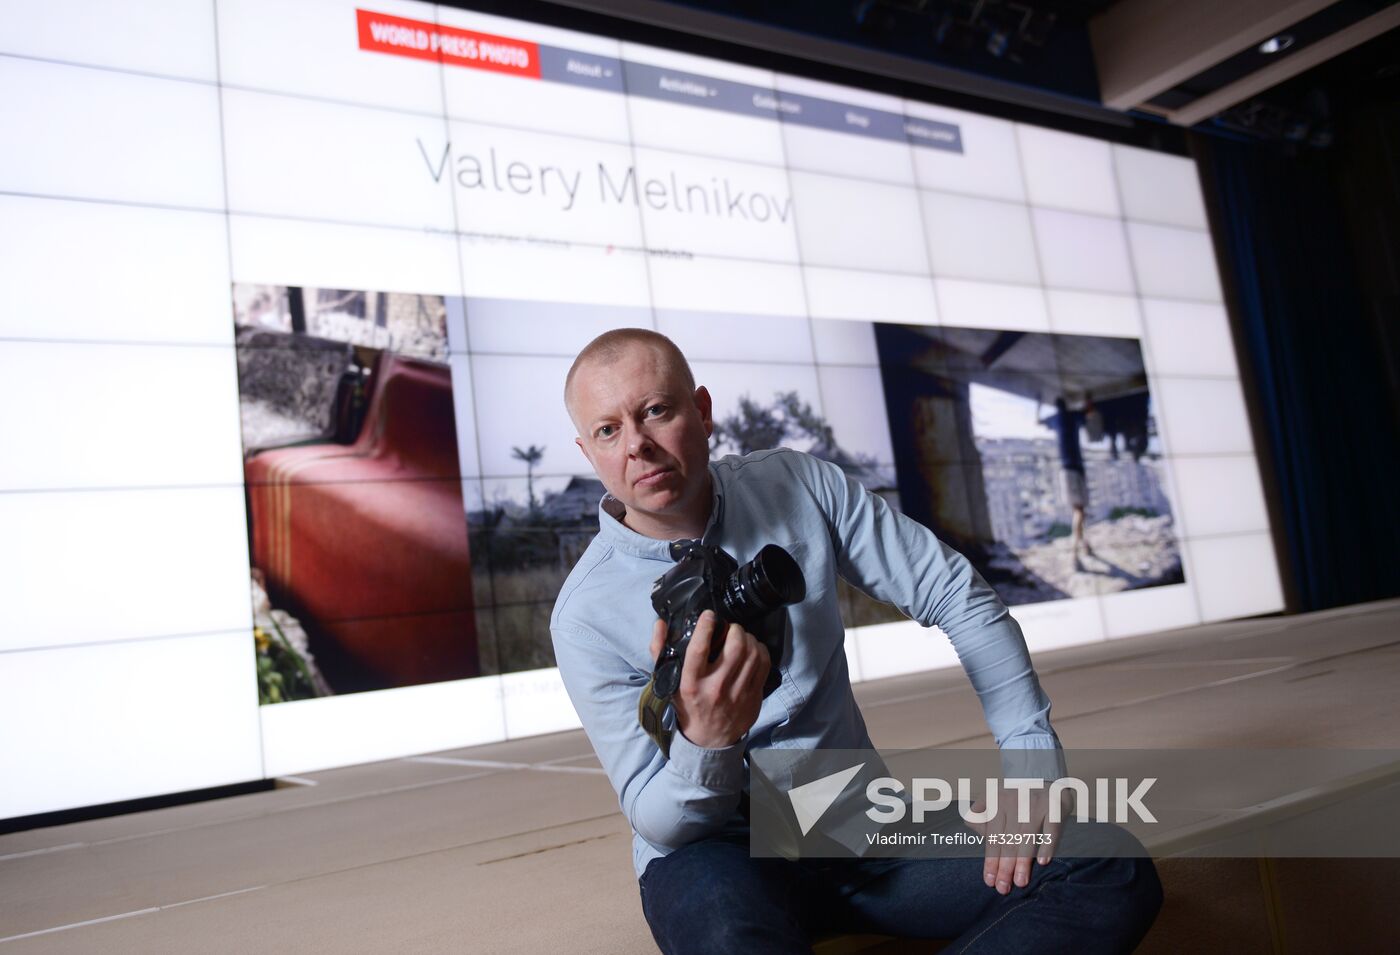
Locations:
(1214, 803)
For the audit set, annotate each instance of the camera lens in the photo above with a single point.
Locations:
(769, 581)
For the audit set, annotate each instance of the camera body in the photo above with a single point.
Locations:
(755, 596)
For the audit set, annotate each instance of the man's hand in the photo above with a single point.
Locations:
(1010, 845)
(717, 702)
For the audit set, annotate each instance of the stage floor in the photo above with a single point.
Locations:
(520, 847)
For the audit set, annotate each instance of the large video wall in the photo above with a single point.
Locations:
(287, 296)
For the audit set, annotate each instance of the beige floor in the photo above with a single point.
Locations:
(519, 847)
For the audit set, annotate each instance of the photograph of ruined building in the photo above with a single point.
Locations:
(986, 424)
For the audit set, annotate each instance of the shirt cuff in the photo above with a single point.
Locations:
(718, 770)
(1033, 757)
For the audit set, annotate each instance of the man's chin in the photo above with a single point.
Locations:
(655, 502)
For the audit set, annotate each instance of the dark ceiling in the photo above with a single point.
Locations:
(1045, 45)
(1034, 60)
(1038, 43)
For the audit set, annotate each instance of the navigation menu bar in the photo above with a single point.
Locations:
(382, 33)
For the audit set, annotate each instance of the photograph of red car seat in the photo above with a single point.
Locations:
(366, 544)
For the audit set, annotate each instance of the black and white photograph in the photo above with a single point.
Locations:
(1036, 455)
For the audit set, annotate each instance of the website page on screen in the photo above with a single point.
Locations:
(364, 243)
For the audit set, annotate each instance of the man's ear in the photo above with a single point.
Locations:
(579, 442)
(705, 407)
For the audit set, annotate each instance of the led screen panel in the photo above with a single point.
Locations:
(303, 332)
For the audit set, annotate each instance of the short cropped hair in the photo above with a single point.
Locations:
(609, 347)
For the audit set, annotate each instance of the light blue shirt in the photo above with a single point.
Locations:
(603, 618)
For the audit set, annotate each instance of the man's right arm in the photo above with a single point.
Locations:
(669, 802)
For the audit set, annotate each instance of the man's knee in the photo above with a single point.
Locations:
(1109, 880)
(712, 896)
(1134, 879)
(1123, 893)
(711, 868)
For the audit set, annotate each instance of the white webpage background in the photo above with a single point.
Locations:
(160, 150)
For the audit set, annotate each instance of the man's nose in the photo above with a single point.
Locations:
(639, 442)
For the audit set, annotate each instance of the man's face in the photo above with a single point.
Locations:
(647, 437)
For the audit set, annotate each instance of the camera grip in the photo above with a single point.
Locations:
(671, 662)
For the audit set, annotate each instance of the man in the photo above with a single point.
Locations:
(1072, 480)
(645, 427)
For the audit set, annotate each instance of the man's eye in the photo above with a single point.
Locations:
(604, 431)
(656, 410)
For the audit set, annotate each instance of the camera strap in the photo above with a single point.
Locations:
(651, 713)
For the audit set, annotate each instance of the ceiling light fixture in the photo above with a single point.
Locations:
(1276, 44)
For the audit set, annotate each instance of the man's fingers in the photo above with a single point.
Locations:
(697, 655)
(974, 807)
(992, 873)
(742, 684)
(658, 638)
(1006, 869)
(1023, 866)
(763, 664)
(735, 645)
(736, 660)
(991, 849)
(1008, 848)
(1029, 830)
(754, 668)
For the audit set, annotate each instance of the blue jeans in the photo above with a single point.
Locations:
(712, 898)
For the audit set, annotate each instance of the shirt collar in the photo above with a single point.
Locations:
(610, 526)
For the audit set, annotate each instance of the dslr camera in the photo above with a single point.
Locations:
(755, 596)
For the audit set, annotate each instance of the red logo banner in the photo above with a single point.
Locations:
(421, 40)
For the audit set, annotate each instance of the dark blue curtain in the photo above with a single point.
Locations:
(1316, 331)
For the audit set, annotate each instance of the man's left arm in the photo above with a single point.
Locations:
(896, 559)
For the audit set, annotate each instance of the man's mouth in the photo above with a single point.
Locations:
(651, 477)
